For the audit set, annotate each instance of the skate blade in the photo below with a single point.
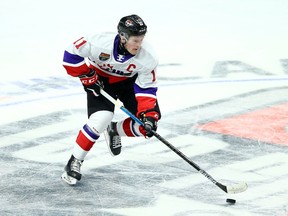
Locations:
(68, 179)
(107, 138)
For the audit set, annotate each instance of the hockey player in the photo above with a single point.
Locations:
(124, 65)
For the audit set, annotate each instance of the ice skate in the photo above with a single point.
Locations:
(113, 139)
(72, 172)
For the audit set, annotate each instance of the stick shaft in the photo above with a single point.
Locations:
(189, 161)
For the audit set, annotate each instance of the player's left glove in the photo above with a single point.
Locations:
(150, 119)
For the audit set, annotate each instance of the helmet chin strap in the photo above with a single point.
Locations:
(121, 47)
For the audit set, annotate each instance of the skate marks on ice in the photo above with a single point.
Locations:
(260, 163)
(147, 178)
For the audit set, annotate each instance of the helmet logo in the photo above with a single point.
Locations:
(128, 23)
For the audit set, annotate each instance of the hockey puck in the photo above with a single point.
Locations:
(231, 201)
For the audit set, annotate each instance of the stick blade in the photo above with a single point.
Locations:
(237, 188)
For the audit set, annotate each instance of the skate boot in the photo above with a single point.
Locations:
(72, 172)
(113, 139)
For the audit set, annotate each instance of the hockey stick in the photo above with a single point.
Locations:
(230, 189)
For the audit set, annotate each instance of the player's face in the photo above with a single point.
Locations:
(134, 43)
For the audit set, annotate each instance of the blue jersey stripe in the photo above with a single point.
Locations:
(72, 58)
(151, 90)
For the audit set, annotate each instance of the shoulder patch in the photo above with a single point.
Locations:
(104, 56)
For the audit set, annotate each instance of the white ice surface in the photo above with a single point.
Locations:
(38, 128)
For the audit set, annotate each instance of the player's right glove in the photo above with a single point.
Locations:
(91, 83)
(150, 122)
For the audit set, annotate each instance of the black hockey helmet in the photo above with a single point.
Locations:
(131, 25)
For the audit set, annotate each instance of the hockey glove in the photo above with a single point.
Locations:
(91, 83)
(150, 124)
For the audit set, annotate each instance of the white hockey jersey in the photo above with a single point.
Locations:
(100, 53)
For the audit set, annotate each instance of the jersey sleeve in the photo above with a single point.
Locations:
(74, 57)
(145, 89)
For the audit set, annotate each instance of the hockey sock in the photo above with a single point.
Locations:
(86, 138)
(129, 128)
